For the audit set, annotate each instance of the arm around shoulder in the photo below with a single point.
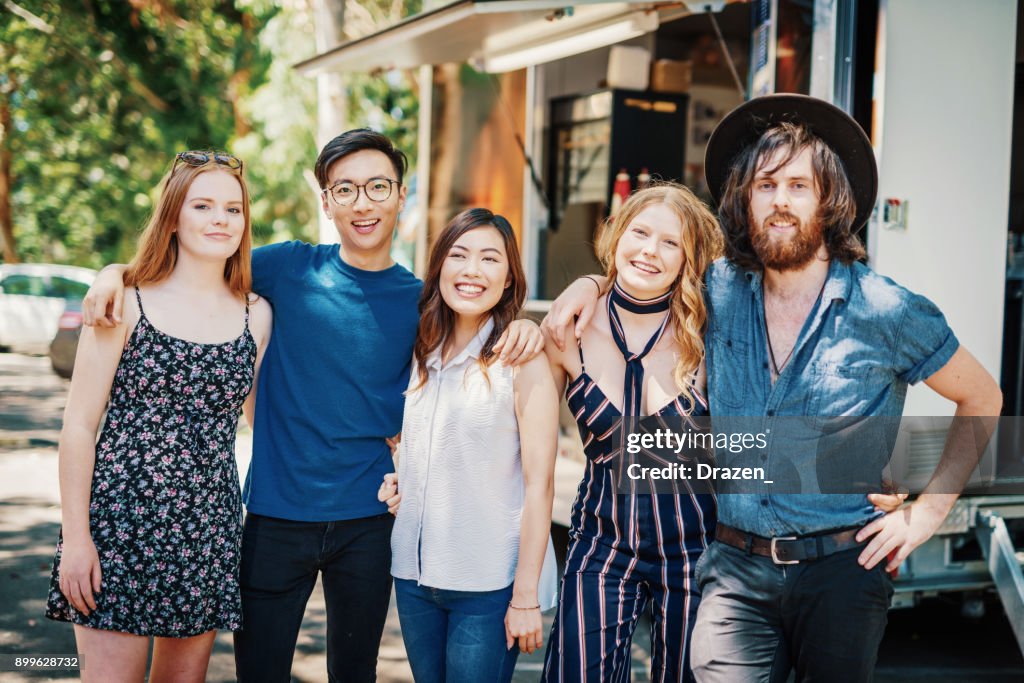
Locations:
(578, 302)
(270, 260)
(103, 304)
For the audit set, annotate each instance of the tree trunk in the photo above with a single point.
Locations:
(446, 152)
(9, 246)
(236, 87)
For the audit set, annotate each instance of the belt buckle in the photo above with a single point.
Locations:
(774, 549)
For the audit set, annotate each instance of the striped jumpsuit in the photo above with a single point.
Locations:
(625, 550)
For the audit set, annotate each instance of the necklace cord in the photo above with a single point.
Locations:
(768, 337)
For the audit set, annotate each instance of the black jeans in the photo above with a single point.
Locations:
(758, 621)
(280, 563)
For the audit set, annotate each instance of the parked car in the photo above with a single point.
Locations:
(32, 298)
(65, 343)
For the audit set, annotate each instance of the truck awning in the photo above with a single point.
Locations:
(498, 35)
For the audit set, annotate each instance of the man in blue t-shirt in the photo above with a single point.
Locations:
(329, 395)
(330, 391)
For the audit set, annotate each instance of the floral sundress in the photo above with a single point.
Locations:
(166, 511)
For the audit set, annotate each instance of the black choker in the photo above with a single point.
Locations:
(620, 298)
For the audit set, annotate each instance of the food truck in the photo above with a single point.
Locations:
(547, 111)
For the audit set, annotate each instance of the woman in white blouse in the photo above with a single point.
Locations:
(471, 550)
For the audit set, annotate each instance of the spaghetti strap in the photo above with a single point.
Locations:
(579, 347)
(246, 311)
(138, 298)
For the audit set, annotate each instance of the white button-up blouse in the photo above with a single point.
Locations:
(461, 479)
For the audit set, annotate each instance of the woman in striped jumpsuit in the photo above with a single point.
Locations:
(642, 355)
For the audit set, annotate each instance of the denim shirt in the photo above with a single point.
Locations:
(864, 341)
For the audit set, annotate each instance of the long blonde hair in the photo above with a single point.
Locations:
(701, 243)
(158, 245)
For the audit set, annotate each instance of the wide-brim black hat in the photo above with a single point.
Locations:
(744, 125)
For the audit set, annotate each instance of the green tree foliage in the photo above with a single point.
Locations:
(100, 94)
(282, 110)
(389, 104)
(282, 140)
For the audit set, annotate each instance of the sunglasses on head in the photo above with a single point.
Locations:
(200, 158)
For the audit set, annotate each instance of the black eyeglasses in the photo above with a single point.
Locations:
(200, 158)
(375, 189)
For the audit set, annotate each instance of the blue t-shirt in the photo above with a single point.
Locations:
(331, 383)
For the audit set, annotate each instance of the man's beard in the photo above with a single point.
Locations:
(786, 254)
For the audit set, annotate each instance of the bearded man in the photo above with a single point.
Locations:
(799, 326)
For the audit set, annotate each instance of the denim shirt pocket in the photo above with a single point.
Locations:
(854, 439)
(730, 374)
(842, 389)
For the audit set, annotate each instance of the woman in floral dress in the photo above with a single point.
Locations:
(151, 512)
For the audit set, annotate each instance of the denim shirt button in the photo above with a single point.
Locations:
(771, 413)
(764, 502)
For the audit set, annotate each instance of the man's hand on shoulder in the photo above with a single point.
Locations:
(103, 305)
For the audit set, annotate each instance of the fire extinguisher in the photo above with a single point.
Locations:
(643, 179)
(620, 190)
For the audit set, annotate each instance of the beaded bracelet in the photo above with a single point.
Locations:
(596, 283)
(523, 608)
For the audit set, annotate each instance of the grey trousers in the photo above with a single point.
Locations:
(758, 621)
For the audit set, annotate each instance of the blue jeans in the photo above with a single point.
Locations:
(455, 636)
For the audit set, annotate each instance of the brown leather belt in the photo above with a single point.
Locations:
(788, 549)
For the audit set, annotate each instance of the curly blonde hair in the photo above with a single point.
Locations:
(701, 243)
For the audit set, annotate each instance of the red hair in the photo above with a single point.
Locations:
(701, 243)
(158, 246)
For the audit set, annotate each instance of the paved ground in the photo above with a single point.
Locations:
(931, 643)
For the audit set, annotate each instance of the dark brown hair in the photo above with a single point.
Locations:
(158, 246)
(357, 140)
(437, 320)
(836, 208)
